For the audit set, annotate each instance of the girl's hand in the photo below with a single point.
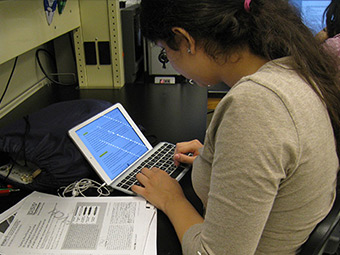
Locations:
(166, 194)
(186, 152)
(159, 189)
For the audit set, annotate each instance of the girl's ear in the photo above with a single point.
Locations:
(187, 40)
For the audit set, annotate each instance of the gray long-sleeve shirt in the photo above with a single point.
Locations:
(267, 172)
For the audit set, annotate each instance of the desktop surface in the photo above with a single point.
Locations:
(170, 113)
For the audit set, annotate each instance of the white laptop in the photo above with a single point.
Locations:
(117, 149)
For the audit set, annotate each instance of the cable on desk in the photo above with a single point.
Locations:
(44, 72)
(79, 187)
(191, 82)
(9, 79)
(22, 149)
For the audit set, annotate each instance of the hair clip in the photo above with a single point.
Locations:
(247, 5)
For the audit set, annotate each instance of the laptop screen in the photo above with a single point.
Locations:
(312, 13)
(113, 142)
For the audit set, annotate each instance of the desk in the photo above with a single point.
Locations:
(170, 112)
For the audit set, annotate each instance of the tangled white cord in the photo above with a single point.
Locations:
(77, 188)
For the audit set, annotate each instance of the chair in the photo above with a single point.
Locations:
(325, 238)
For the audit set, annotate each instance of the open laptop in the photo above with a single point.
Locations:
(118, 150)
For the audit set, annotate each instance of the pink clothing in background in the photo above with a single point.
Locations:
(333, 46)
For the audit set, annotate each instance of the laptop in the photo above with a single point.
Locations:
(117, 149)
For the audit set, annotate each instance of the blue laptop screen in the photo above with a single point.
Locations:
(312, 12)
(113, 142)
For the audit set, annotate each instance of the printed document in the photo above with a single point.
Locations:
(51, 225)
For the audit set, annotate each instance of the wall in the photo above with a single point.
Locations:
(24, 29)
(26, 80)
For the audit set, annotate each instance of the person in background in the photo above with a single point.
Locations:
(267, 171)
(330, 35)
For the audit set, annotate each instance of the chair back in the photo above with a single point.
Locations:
(325, 237)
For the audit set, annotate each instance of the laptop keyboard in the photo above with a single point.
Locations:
(161, 158)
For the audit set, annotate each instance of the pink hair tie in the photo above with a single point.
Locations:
(247, 5)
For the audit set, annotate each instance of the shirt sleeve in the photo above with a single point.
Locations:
(253, 141)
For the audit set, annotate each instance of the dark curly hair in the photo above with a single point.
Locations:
(271, 29)
(332, 15)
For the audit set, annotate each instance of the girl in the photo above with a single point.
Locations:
(267, 171)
